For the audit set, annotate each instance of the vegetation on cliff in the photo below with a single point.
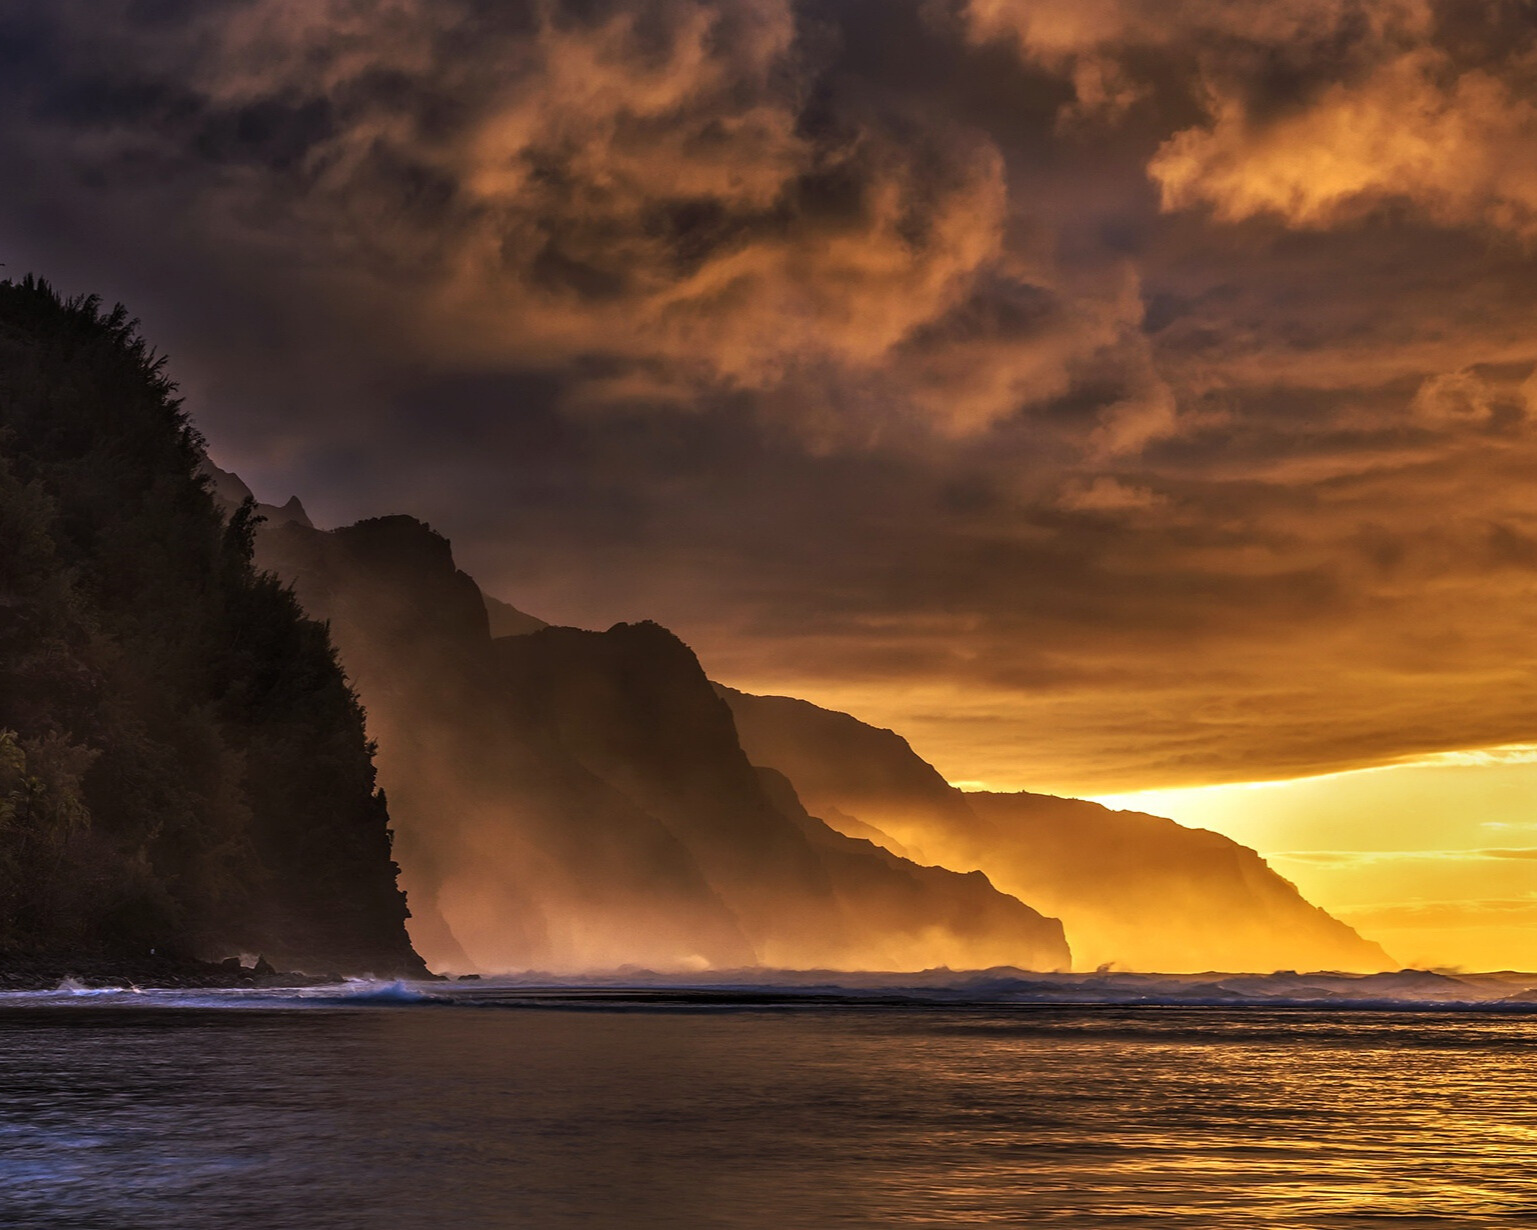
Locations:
(183, 766)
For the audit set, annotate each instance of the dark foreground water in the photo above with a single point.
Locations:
(512, 1108)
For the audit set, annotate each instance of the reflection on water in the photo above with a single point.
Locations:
(466, 1117)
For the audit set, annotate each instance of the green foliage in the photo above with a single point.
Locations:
(182, 763)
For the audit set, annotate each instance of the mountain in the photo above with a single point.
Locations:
(506, 620)
(634, 707)
(1214, 904)
(183, 768)
(573, 800)
(231, 492)
(496, 828)
(1137, 891)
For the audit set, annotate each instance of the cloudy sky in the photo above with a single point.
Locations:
(1113, 396)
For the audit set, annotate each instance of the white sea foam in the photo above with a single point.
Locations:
(368, 991)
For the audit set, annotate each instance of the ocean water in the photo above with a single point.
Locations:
(1115, 1102)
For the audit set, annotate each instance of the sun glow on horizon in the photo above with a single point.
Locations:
(1434, 857)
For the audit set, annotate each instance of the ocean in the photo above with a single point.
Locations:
(941, 1101)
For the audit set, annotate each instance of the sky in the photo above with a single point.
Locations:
(1122, 400)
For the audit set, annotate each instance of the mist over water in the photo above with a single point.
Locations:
(479, 1106)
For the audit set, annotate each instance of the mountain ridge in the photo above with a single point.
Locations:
(569, 799)
(1216, 903)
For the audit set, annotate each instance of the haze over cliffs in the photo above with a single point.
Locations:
(571, 800)
(1132, 890)
(183, 768)
(183, 765)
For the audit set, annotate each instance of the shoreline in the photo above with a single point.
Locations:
(151, 973)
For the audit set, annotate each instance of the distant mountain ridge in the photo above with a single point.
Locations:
(1135, 891)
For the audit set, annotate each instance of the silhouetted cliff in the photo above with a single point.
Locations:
(573, 799)
(507, 620)
(1138, 891)
(182, 765)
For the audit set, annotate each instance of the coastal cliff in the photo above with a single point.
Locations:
(1135, 891)
(183, 769)
(570, 799)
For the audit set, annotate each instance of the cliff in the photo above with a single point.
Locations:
(573, 800)
(1137, 891)
(183, 768)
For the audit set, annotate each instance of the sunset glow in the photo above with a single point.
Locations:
(773, 614)
(1117, 405)
(1436, 859)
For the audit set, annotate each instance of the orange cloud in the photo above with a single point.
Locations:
(1091, 42)
(812, 330)
(1376, 104)
(638, 182)
(1462, 147)
(664, 185)
(1107, 494)
(1060, 28)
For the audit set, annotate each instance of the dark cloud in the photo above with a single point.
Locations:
(1107, 401)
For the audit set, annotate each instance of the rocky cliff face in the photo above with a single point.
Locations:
(570, 799)
(1136, 891)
